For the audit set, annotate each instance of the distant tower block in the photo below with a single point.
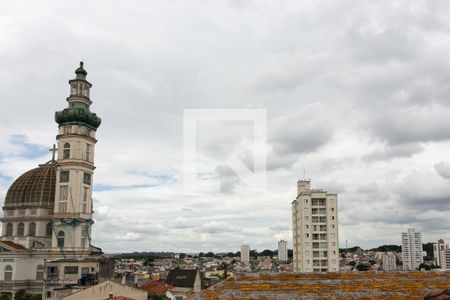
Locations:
(245, 254)
(315, 230)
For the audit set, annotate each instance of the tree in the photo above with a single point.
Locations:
(428, 247)
(424, 267)
(267, 252)
(225, 270)
(182, 255)
(210, 254)
(253, 253)
(20, 295)
(363, 267)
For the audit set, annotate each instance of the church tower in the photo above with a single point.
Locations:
(72, 216)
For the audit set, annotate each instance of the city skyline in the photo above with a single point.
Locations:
(380, 141)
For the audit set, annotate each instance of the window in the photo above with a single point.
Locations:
(9, 229)
(66, 151)
(333, 244)
(71, 270)
(83, 237)
(33, 212)
(306, 218)
(87, 178)
(8, 272)
(306, 226)
(61, 239)
(64, 176)
(88, 152)
(20, 229)
(10, 213)
(40, 272)
(48, 229)
(331, 208)
(332, 217)
(32, 229)
(85, 199)
(306, 201)
(63, 193)
(332, 226)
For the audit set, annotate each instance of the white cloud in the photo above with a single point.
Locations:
(356, 94)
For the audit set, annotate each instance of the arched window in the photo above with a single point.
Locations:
(20, 229)
(8, 272)
(61, 239)
(40, 272)
(9, 229)
(48, 229)
(66, 151)
(32, 229)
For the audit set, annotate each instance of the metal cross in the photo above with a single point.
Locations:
(53, 150)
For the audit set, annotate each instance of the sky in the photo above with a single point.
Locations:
(354, 95)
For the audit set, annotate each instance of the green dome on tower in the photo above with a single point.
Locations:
(78, 112)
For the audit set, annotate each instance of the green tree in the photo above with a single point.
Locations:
(253, 253)
(267, 252)
(20, 295)
(5, 297)
(425, 267)
(363, 267)
(210, 254)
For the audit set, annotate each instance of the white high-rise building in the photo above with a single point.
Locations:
(245, 254)
(315, 230)
(389, 262)
(446, 262)
(412, 254)
(282, 250)
(439, 253)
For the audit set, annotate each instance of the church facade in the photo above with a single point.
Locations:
(45, 246)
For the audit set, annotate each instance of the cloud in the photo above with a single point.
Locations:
(443, 169)
(360, 102)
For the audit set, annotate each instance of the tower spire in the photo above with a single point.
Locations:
(81, 72)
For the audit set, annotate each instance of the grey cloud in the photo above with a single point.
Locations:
(395, 151)
(443, 169)
(334, 90)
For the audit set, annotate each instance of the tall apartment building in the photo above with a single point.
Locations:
(439, 253)
(446, 262)
(412, 254)
(245, 254)
(389, 262)
(282, 250)
(315, 230)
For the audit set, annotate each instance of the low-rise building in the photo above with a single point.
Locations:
(389, 262)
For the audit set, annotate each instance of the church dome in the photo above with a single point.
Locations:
(35, 188)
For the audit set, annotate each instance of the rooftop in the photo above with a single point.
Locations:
(392, 285)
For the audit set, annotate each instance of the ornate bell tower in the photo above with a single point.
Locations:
(72, 216)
